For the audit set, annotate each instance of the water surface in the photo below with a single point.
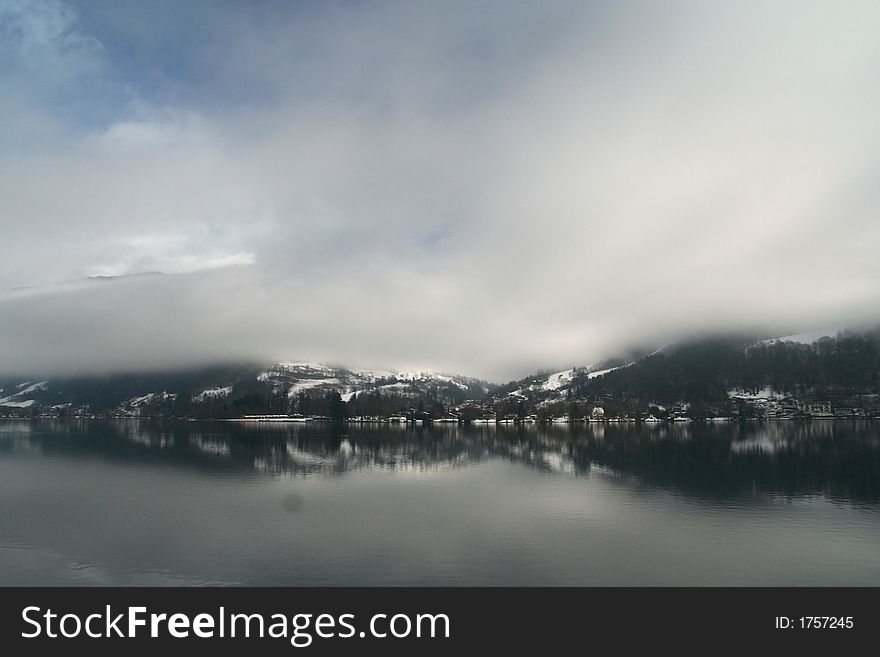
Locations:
(152, 503)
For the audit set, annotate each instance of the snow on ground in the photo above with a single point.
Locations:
(27, 386)
(308, 384)
(395, 386)
(446, 379)
(560, 380)
(658, 350)
(22, 404)
(803, 338)
(764, 393)
(292, 367)
(42, 385)
(409, 376)
(303, 376)
(134, 402)
(140, 401)
(212, 393)
(373, 375)
(302, 365)
(556, 381)
(429, 376)
(23, 389)
(388, 387)
(404, 388)
(597, 373)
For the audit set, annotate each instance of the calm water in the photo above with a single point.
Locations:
(143, 503)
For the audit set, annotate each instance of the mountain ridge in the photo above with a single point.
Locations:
(710, 372)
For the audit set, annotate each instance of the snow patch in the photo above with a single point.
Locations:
(374, 374)
(556, 381)
(598, 373)
(135, 402)
(298, 365)
(22, 404)
(212, 393)
(309, 384)
(429, 376)
(24, 389)
(765, 393)
(803, 338)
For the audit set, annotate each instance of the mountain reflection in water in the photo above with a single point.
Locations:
(147, 502)
(840, 460)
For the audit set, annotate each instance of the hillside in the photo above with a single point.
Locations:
(714, 375)
(233, 390)
(724, 375)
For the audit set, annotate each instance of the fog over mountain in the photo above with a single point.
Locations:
(488, 188)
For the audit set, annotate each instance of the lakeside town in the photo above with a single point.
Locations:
(512, 409)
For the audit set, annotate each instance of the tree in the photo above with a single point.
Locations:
(336, 407)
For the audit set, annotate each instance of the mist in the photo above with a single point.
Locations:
(489, 188)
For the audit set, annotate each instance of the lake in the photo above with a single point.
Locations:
(142, 502)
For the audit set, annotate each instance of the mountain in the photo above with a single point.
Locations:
(712, 369)
(559, 386)
(706, 376)
(826, 365)
(223, 391)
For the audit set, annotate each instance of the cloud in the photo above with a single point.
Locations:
(43, 37)
(485, 187)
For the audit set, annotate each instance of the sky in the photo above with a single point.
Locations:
(480, 187)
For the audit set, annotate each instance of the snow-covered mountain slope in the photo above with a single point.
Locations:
(558, 380)
(649, 363)
(803, 338)
(185, 392)
(298, 377)
(212, 393)
(715, 363)
(556, 385)
(20, 398)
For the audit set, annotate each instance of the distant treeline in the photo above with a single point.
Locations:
(703, 371)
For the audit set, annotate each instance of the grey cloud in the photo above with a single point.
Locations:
(489, 188)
